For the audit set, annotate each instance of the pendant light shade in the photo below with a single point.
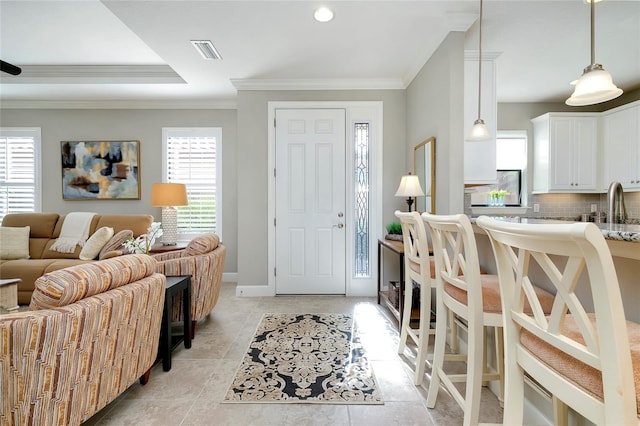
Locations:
(479, 131)
(595, 85)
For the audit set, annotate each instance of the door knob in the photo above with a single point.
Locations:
(339, 226)
(340, 214)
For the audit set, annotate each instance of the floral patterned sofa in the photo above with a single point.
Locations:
(203, 259)
(92, 330)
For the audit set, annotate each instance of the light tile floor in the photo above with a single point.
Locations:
(191, 393)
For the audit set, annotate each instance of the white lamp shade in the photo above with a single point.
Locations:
(409, 187)
(593, 87)
(479, 132)
(168, 194)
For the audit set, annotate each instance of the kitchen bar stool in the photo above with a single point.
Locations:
(418, 267)
(585, 360)
(473, 297)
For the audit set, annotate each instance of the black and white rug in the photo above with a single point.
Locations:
(305, 358)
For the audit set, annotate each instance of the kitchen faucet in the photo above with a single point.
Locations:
(616, 211)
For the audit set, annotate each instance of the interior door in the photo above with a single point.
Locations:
(310, 201)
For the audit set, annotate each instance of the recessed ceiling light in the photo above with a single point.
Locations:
(206, 49)
(323, 14)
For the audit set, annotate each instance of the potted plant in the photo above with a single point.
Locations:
(394, 231)
(496, 197)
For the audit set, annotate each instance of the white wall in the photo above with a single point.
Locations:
(134, 124)
(435, 108)
(252, 166)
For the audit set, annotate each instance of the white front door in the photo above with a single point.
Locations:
(310, 201)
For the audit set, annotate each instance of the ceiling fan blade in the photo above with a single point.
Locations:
(9, 68)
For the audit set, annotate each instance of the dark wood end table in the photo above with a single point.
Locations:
(160, 248)
(168, 342)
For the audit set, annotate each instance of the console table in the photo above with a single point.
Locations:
(169, 341)
(396, 247)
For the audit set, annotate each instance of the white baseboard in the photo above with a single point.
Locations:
(230, 277)
(254, 291)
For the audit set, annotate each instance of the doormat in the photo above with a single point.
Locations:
(305, 358)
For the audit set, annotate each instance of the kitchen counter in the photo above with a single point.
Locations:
(621, 237)
(610, 231)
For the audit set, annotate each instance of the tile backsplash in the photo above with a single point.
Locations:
(573, 205)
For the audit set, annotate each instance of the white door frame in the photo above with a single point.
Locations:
(355, 111)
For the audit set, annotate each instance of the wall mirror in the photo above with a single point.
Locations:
(424, 166)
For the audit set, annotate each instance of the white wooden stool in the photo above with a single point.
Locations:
(9, 294)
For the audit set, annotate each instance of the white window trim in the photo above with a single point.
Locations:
(218, 135)
(524, 208)
(36, 133)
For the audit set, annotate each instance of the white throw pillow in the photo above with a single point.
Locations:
(14, 242)
(94, 244)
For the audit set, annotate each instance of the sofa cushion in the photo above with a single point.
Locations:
(202, 244)
(115, 243)
(66, 286)
(110, 254)
(92, 226)
(138, 224)
(42, 228)
(28, 270)
(95, 243)
(14, 242)
(42, 224)
(47, 253)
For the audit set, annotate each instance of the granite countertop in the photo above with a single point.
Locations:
(629, 231)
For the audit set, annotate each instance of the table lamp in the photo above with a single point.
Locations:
(409, 187)
(167, 196)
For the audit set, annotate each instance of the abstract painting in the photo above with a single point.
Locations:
(100, 170)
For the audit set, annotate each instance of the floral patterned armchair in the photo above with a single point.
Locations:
(203, 259)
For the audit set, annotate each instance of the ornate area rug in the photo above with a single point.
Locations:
(305, 358)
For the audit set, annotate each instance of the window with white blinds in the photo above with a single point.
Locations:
(20, 180)
(192, 156)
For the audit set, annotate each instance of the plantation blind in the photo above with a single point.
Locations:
(192, 158)
(19, 170)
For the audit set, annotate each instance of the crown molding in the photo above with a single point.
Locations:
(94, 74)
(120, 104)
(319, 84)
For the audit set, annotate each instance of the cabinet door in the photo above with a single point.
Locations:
(634, 142)
(561, 161)
(585, 166)
(480, 157)
(621, 140)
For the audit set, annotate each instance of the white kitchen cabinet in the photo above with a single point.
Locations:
(480, 157)
(621, 146)
(565, 153)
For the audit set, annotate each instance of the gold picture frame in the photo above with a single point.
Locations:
(424, 166)
(100, 170)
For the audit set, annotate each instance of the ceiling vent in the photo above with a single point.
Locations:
(206, 49)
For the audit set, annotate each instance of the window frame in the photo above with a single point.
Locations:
(216, 132)
(36, 134)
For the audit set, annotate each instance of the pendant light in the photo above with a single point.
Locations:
(595, 85)
(479, 131)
